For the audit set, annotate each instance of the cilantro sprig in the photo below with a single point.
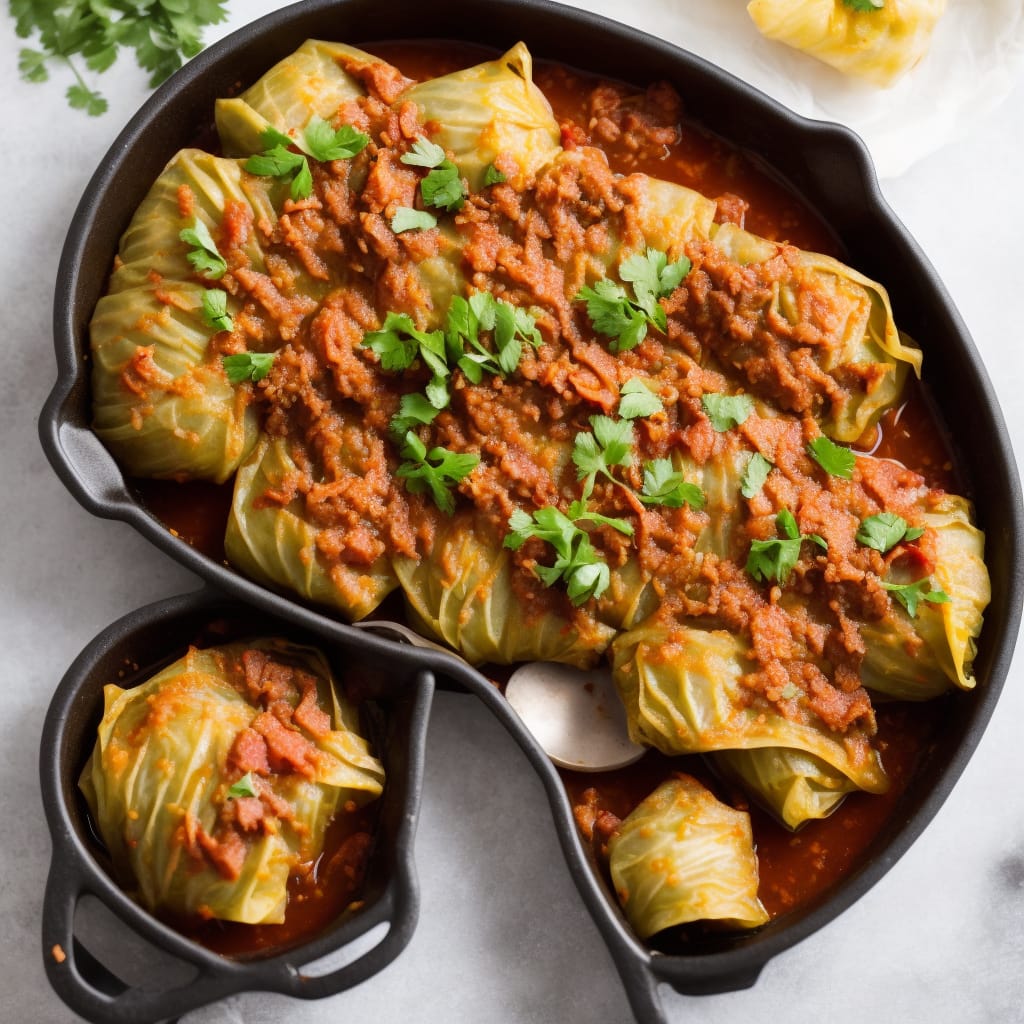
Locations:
(163, 34)
(638, 400)
(436, 471)
(215, 310)
(910, 595)
(204, 256)
(755, 475)
(609, 443)
(665, 485)
(399, 343)
(248, 366)
(442, 186)
(407, 219)
(510, 327)
(317, 140)
(626, 320)
(833, 458)
(492, 176)
(884, 531)
(245, 786)
(773, 560)
(727, 411)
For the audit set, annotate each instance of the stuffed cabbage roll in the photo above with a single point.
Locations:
(794, 786)
(919, 657)
(276, 541)
(683, 694)
(205, 798)
(310, 82)
(684, 856)
(879, 43)
(464, 592)
(488, 110)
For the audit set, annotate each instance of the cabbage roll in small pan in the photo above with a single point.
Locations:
(213, 780)
(877, 40)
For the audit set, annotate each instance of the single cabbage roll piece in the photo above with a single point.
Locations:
(205, 799)
(464, 592)
(879, 43)
(682, 690)
(272, 536)
(792, 785)
(920, 657)
(311, 82)
(488, 110)
(825, 318)
(684, 856)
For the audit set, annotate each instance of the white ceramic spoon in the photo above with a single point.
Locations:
(575, 715)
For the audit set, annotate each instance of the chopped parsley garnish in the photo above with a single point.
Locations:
(215, 310)
(204, 256)
(665, 485)
(397, 345)
(584, 572)
(610, 444)
(511, 328)
(442, 187)
(833, 458)
(638, 400)
(773, 560)
(865, 6)
(413, 411)
(318, 140)
(885, 530)
(727, 411)
(248, 366)
(436, 471)
(408, 219)
(492, 176)
(623, 319)
(424, 153)
(163, 34)
(911, 594)
(243, 787)
(755, 475)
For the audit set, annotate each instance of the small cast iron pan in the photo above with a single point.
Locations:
(827, 165)
(397, 693)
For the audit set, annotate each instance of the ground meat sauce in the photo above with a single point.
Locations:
(532, 246)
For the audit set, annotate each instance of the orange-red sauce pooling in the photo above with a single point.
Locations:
(793, 868)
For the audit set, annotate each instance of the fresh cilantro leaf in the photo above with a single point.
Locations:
(203, 256)
(727, 411)
(885, 530)
(399, 342)
(413, 411)
(512, 327)
(215, 310)
(32, 65)
(638, 400)
(245, 786)
(578, 511)
(82, 98)
(436, 471)
(911, 594)
(275, 162)
(424, 153)
(613, 315)
(773, 560)
(443, 188)
(248, 366)
(664, 485)
(833, 458)
(755, 475)
(407, 219)
(865, 6)
(324, 143)
(492, 176)
(653, 278)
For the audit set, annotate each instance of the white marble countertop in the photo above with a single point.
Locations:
(503, 936)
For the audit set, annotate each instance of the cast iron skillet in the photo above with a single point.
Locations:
(398, 690)
(824, 163)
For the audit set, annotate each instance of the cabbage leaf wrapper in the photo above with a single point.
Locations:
(863, 334)
(311, 82)
(919, 658)
(159, 780)
(280, 545)
(683, 856)
(162, 403)
(682, 690)
(463, 591)
(878, 45)
(792, 785)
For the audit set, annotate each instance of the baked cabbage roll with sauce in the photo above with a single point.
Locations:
(488, 110)
(919, 657)
(311, 82)
(464, 591)
(682, 856)
(879, 43)
(794, 786)
(272, 538)
(213, 780)
(682, 690)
